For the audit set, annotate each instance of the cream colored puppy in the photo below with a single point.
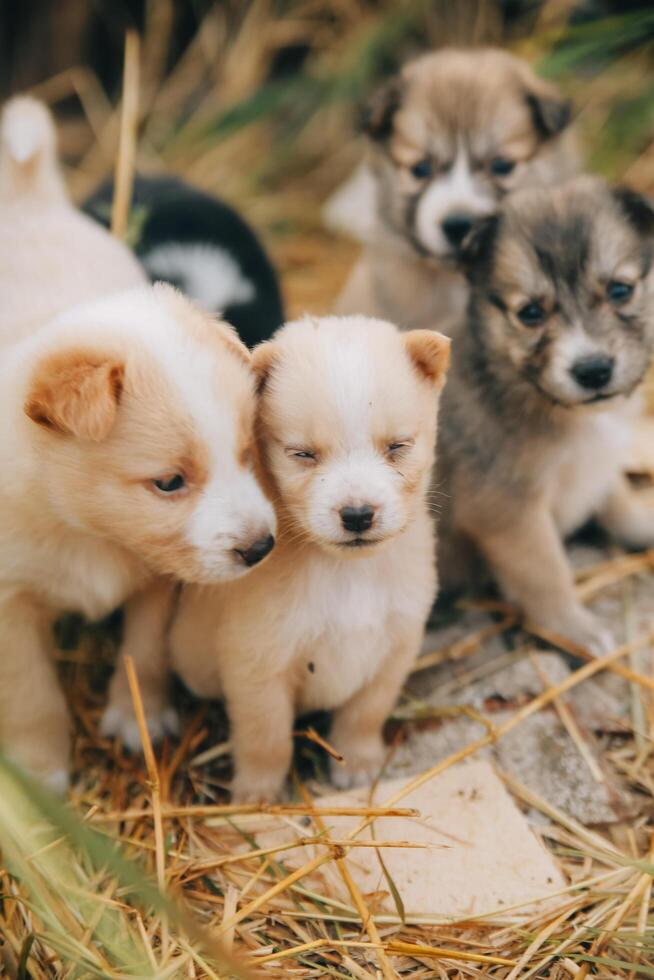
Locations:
(125, 440)
(115, 397)
(334, 618)
(51, 256)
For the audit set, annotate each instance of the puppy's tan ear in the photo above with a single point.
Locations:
(263, 359)
(377, 116)
(430, 353)
(76, 393)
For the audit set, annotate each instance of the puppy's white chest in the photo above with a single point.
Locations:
(346, 630)
(587, 468)
(88, 577)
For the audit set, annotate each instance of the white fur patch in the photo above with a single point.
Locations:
(456, 192)
(208, 274)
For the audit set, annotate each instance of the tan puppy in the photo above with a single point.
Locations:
(536, 418)
(455, 132)
(125, 434)
(334, 619)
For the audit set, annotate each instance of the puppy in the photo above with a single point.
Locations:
(126, 428)
(334, 618)
(51, 256)
(125, 437)
(448, 138)
(204, 247)
(536, 415)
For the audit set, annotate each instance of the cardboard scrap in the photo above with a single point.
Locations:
(480, 857)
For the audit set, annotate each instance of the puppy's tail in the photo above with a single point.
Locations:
(28, 152)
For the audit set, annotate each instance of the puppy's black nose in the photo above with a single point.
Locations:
(357, 519)
(456, 227)
(593, 372)
(257, 550)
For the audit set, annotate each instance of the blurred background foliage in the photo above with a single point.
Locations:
(258, 101)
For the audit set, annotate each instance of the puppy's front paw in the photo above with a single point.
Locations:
(47, 762)
(118, 721)
(257, 788)
(639, 534)
(585, 630)
(364, 759)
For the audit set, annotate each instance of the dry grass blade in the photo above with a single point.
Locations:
(126, 160)
(153, 771)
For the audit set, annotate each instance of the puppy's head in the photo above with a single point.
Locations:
(454, 133)
(563, 290)
(141, 412)
(347, 415)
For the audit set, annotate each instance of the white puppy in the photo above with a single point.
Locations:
(334, 618)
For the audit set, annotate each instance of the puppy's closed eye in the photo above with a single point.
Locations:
(302, 455)
(398, 448)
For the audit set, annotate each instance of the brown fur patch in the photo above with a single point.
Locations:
(76, 392)
(430, 353)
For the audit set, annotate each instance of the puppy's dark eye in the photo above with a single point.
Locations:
(422, 169)
(170, 484)
(619, 292)
(395, 448)
(501, 166)
(531, 314)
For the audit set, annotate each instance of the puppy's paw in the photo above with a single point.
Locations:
(119, 721)
(586, 631)
(639, 534)
(48, 768)
(363, 763)
(57, 781)
(257, 788)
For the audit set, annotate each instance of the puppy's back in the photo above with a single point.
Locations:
(51, 256)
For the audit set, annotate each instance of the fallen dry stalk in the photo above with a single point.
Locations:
(253, 809)
(392, 946)
(153, 772)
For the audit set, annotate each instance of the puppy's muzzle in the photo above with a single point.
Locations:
(593, 372)
(357, 519)
(257, 551)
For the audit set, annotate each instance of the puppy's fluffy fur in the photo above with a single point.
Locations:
(51, 255)
(334, 618)
(109, 399)
(449, 138)
(536, 415)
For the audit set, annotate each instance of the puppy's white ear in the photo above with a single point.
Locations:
(263, 359)
(76, 393)
(430, 353)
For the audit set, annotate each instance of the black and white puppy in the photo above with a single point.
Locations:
(201, 245)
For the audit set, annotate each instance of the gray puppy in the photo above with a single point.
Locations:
(536, 415)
